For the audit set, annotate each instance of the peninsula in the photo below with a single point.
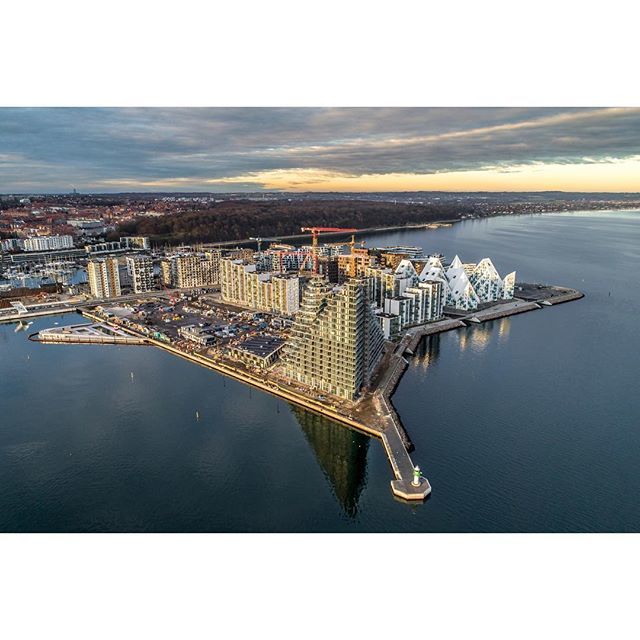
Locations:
(327, 330)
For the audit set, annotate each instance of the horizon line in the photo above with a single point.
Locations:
(299, 193)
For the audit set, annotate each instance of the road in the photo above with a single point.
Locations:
(53, 308)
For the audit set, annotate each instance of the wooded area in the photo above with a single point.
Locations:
(239, 219)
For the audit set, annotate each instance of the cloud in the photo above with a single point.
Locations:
(209, 149)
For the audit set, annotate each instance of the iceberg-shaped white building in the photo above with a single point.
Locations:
(417, 290)
(468, 285)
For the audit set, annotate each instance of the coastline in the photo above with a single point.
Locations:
(339, 234)
(409, 227)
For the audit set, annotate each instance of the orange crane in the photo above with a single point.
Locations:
(315, 232)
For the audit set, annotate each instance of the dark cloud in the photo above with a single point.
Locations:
(110, 149)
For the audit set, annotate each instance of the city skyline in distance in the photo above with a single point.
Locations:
(54, 150)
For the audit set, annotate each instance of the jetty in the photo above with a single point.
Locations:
(99, 333)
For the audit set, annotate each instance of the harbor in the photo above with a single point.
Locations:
(372, 414)
(463, 399)
(385, 428)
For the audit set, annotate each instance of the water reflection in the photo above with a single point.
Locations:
(427, 352)
(504, 325)
(475, 337)
(341, 453)
(478, 337)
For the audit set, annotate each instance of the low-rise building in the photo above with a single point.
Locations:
(202, 336)
(258, 351)
(48, 243)
(135, 242)
(87, 227)
(129, 243)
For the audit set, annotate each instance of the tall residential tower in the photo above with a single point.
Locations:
(104, 278)
(336, 341)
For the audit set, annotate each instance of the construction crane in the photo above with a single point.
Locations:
(173, 296)
(315, 232)
(259, 241)
(352, 255)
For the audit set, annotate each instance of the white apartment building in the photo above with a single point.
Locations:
(11, 244)
(468, 285)
(399, 306)
(48, 243)
(427, 302)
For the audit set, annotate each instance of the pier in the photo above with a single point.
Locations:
(547, 295)
(99, 333)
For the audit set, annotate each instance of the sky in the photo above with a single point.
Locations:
(319, 149)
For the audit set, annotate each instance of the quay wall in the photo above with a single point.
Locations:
(512, 310)
(573, 294)
(271, 388)
(432, 329)
(391, 432)
(398, 455)
(398, 365)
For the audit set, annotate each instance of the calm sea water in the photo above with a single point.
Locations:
(530, 423)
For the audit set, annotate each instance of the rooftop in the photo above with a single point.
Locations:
(262, 346)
